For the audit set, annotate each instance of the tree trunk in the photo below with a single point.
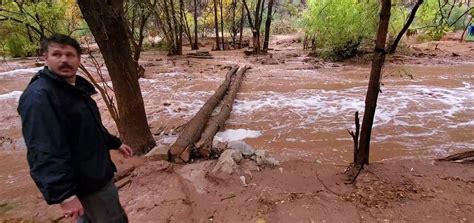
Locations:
(216, 25)
(233, 31)
(205, 143)
(394, 46)
(178, 31)
(196, 45)
(222, 26)
(374, 85)
(180, 150)
(267, 25)
(256, 28)
(106, 22)
(241, 27)
(171, 30)
(184, 23)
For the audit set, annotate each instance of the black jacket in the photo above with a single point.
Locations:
(68, 147)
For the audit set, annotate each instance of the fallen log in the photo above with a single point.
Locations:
(204, 145)
(200, 54)
(463, 157)
(181, 149)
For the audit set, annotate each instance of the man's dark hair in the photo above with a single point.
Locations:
(61, 39)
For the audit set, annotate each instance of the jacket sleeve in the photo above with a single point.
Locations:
(48, 155)
(113, 142)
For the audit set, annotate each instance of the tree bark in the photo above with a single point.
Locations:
(233, 31)
(222, 26)
(216, 25)
(204, 145)
(107, 24)
(255, 26)
(178, 31)
(402, 32)
(256, 30)
(180, 150)
(267, 25)
(374, 85)
(241, 27)
(196, 44)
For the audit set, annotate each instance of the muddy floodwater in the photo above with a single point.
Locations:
(297, 107)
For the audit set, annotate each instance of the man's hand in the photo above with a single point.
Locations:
(126, 151)
(72, 208)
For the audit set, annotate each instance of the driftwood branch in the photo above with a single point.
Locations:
(463, 157)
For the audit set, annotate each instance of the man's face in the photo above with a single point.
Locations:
(63, 60)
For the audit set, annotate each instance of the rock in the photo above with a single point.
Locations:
(159, 152)
(226, 163)
(237, 156)
(249, 165)
(219, 146)
(20, 144)
(262, 159)
(149, 65)
(243, 181)
(39, 64)
(248, 51)
(270, 61)
(241, 146)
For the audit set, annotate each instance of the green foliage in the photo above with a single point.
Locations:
(435, 23)
(341, 25)
(19, 46)
(23, 24)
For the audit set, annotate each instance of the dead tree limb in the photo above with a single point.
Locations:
(204, 145)
(463, 157)
(355, 136)
(402, 32)
(180, 150)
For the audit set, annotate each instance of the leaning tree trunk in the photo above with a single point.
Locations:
(204, 145)
(394, 46)
(107, 24)
(267, 25)
(374, 85)
(181, 149)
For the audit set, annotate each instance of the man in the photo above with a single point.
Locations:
(68, 146)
